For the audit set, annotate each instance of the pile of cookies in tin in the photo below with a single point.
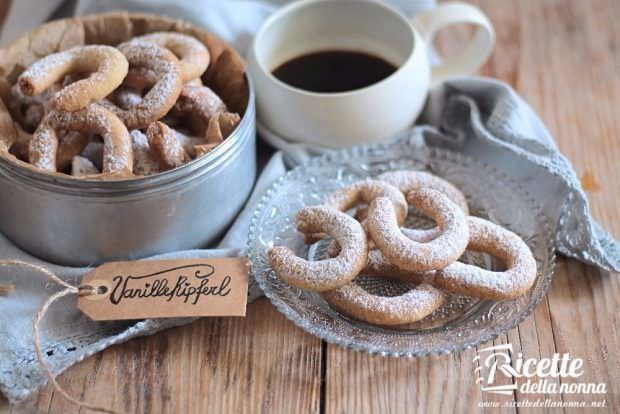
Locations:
(374, 243)
(115, 112)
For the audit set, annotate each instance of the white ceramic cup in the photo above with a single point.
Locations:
(371, 114)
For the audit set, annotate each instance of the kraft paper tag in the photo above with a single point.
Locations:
(165, 289)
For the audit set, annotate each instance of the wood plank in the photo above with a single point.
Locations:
(585, 324)
(576, 90)
(360, 383)
(580, 104)
(250, 365)
(562, 57)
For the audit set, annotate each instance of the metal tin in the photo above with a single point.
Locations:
(76, 222)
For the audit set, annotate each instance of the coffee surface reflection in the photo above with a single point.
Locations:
(331, 71)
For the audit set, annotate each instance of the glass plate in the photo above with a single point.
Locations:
(462, 322)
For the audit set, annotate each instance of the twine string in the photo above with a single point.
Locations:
(69, 289)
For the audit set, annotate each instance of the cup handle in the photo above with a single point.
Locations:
(474, 54)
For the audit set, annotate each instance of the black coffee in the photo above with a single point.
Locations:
(334, 71)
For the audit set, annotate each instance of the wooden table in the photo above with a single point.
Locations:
(563, 57)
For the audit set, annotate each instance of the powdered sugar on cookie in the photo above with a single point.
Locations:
(412, 306)
(411, 255)
(425, 257)
(330, 273)
(475, 281)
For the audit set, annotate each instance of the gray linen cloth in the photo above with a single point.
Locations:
(481, 117)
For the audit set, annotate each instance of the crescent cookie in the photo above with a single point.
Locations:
(221, 125)
(106, 65)
(8, 130)
(471, 280)
(70, 144)
(378, 266)
(382, 226)
(192, 54)
(163, 94)
(198, 104)
(82, 167)
(166, 146)
(330, 273)
(364, 192)
(144, 161)
(409, 180)
(117, 154)
(409, 307)
(126, 98)
(27, 111)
